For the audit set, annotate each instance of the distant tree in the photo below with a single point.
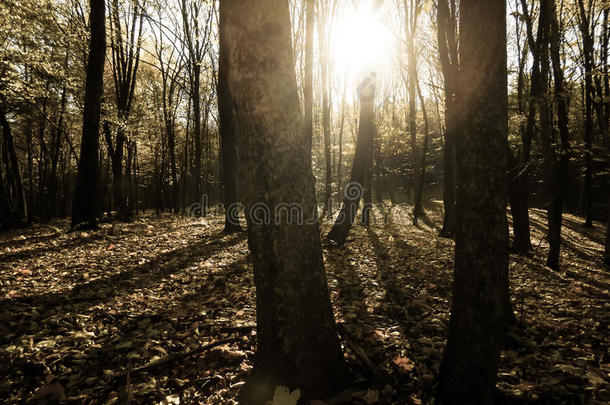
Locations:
(125, 44)
(196, 17)
(170, 65)
(297, 342)
(469, 368)
(14, 179)
(326, 13)
(556, 151)
(84, 212)
(446, 23)
(585, 28)
(308, 85)
(362, 159)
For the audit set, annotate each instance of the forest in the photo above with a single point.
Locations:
(290, 202)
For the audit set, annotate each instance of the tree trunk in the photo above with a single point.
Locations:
(15, 171)
(323, 38)
(197, 135)
(447, 43)
(587, 54)
(362, 157)
(84, 212)
(418, 208)
(297, 341)
(7, 213)
(560, 175)
(308, 85)
(227, 130)
(412, 84)
(469, 368)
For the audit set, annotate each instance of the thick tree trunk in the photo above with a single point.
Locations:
(468, 371)
(362, 157)
(84, 212)
(297, 342)
(227, 130)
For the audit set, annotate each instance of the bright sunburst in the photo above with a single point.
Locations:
(361, 41)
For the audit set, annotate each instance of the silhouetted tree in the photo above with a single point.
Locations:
(362, 160)
(227, 129)
(84, 212)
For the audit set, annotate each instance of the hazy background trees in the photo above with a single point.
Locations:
(160, 120)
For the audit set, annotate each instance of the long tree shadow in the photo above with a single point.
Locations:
(99, 290)
(108, 353)
(583, 273)
(395, 295)
(567, 242)
(17, 241)
(70, 242)
(358, 321)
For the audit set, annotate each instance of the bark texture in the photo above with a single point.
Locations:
(468, 371)
(297, 341)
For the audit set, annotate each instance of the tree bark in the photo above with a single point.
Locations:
(297, 340)
(447, 44)
(84, 212)
(418, 208)
(587, 54)
(227, 130)
(560, 172)
(468, 371)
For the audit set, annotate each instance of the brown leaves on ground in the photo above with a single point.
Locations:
(81, 311)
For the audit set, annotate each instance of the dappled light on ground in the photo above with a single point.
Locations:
(84, 314)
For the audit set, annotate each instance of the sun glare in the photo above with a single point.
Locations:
(360, 42)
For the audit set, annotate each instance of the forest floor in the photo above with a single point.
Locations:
(124, 314)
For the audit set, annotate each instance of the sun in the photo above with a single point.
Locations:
(360, 42)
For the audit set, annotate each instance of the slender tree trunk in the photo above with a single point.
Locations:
(197, 135)
(560, 175)
(362, 157)
(468, 371)
(587, 50)
(308, 85)
(418, 209)
(84, 212)
(411, 23)
(15, 171)
(446, 27)
(297, 341)
(341, 128)
(54, 181)
(227, 130)
(7, 213)
(323, 45)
